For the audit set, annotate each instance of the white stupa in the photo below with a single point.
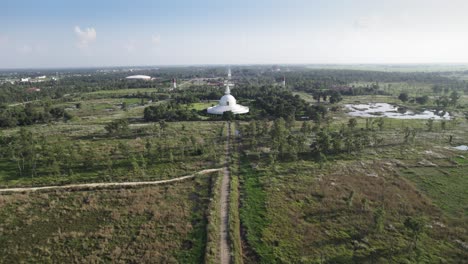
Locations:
(227, 103)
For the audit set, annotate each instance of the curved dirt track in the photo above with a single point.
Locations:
(105, 184)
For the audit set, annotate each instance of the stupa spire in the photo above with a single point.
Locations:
(228, 88)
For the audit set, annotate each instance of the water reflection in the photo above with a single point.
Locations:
(462, 147)
(392, 111)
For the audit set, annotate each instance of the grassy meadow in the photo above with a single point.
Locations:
(159, 224)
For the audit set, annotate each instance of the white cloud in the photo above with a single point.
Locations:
(85, 36)
(156, 39)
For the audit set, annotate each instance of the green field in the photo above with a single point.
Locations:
(446, 187)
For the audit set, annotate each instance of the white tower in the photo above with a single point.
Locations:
(174, 83)
(284, 81)
(229, 74)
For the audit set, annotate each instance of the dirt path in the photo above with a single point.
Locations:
(106, 184)
(224, 230)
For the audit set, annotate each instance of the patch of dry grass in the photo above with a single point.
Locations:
(161, 224)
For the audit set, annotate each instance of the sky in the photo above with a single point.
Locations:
(97, 33)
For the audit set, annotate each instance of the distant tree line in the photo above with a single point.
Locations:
(30, 114)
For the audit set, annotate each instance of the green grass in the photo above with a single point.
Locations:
(234, 220)
(201, 106)
(212, 250)
(253, 211)
(447, 187)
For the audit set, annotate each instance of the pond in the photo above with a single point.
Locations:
(392, 111)
(461, 147)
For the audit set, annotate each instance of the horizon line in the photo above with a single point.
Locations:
(242, 64)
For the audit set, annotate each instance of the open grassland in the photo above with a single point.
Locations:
(161, 224)
(445, 185)
(361, 206)
(344, 213)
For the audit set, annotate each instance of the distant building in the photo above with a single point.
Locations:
(139, 77)
(24, 79)
(174, 83)
(228, 102)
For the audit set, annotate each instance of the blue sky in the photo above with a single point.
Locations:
(52, 33)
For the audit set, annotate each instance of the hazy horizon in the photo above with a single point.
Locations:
(54, 34)
(374, 66)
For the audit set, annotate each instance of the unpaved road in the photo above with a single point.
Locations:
(224, 230)
(105, 184)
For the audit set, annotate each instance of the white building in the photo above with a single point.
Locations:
(139, 77)
(227, 103)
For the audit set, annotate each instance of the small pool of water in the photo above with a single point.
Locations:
(461, 147)
(392, 111)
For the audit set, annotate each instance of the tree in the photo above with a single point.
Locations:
(422, 99)
(349, 200)
(352, 123)
(279, 134)
(443, 101)
(443, 125)
(117, 127)
(57, 112)
(416, 226)
(379, 218)
(162, 127)
(437, 89)
(335, 97)
(403, 97)
(23, 151)
(324, 141)
(454, 96)
(430, 124)
(124, 106)
(380, 123)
